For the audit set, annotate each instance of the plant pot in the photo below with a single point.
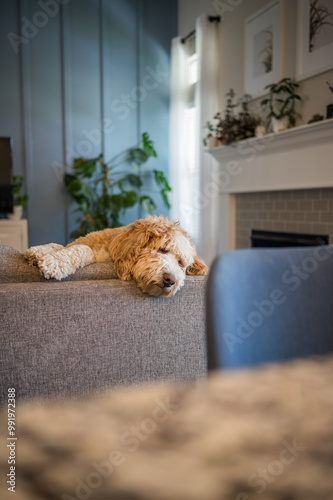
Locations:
(213, 142)
(17, 214)
(260, 131)
(279, 125)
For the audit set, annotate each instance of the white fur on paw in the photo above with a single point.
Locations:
(33, 254)
(51, 267)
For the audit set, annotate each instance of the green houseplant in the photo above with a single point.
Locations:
(281, 104)
(103, 190)
(247, 122)
(215, 129)
(20, 200)
(232, 127)
(316, 118)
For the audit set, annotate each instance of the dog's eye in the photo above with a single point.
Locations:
(162, 250)
(181, 263)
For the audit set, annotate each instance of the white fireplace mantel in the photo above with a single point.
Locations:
(299, 158)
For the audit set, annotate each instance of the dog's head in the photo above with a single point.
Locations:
(157, 254)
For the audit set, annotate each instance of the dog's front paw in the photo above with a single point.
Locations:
(30, 256)
(198, 268)
(34, 254)
(51, 267)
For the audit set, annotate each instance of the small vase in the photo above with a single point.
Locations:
(17, 214)
(260, 131)
(280, 125)
(213, 142)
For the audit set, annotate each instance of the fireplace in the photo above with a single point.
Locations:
(269, 239)
(282, 182)
(296, 216)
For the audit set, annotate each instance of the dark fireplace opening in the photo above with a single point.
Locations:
(269, 239)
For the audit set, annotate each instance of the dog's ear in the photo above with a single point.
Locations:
(198, 268)
(125, 248)
(128, 243)
(123, 269)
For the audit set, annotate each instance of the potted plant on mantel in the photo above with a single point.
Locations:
(214, 137)
(20, 200)
(231, 127)
(281, 103)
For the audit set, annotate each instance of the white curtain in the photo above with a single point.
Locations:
(207, 103)
(179, 158)
(195, 194)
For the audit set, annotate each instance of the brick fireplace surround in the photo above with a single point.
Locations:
(281, 182)
(307, 211)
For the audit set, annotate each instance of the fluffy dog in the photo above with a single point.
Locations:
(156, 253)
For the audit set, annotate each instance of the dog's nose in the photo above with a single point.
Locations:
(168, 280)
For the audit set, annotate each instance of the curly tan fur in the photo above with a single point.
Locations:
(154, 252)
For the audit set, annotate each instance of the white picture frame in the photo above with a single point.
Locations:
(314, 47)
(263, 48)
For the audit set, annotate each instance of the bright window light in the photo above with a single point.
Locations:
(191, 139)
(193, 69)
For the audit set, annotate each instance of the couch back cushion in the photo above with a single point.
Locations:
(15, 269)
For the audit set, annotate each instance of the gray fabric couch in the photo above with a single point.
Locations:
(92, 331)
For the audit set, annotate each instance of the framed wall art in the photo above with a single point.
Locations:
(263, 48)
(315, 37)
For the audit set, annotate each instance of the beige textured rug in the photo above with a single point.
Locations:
(263, 434)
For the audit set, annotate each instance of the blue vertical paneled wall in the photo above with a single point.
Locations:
(79, 78)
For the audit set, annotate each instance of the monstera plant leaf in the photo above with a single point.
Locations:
(134, 180)
(147, 204)
(162, 182)
(138, 156)
(148, 145)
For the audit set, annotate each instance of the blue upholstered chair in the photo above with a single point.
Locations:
(269, 305)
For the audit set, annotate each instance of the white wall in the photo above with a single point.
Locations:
(314, 91)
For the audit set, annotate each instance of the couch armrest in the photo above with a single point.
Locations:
(73, 337)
